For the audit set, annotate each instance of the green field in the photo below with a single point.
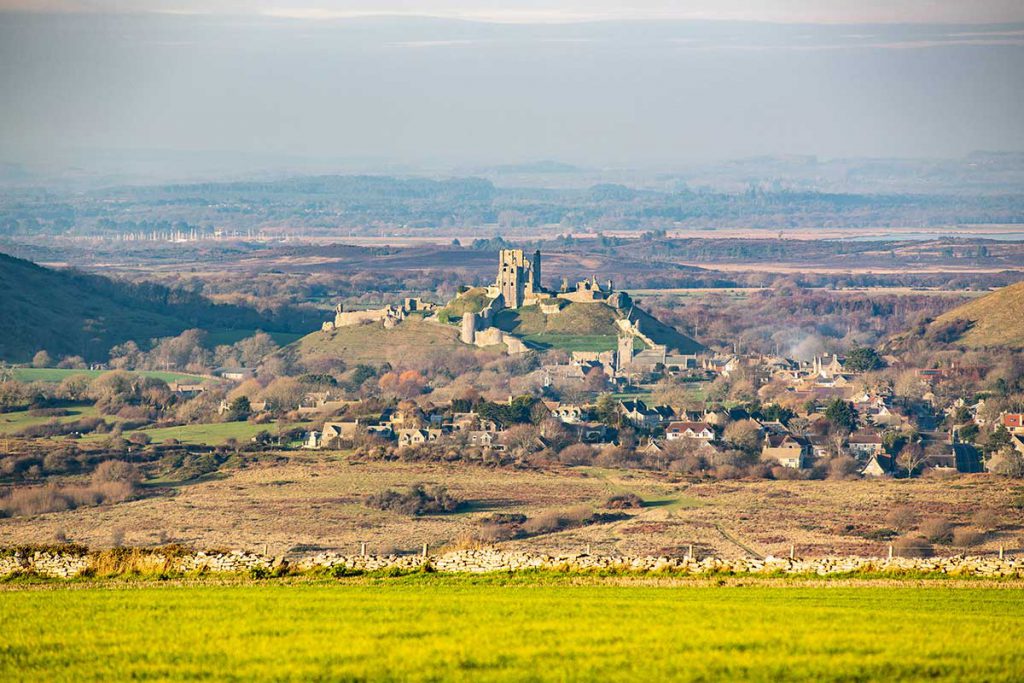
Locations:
(59, 374)
(213, 434)
(431, 628)
(18, 420)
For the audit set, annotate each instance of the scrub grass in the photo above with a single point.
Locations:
(430, 627)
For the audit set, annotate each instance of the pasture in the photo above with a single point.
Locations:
(527, 627)
(56, 375)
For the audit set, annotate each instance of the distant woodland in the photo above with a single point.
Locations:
(365, 204)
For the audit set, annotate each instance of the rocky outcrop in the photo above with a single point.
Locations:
(70, 563)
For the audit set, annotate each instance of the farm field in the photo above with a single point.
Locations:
(20, 419)
(216, 433)
(429, 627)
(56, 375)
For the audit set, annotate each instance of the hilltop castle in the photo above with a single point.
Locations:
(519, 284)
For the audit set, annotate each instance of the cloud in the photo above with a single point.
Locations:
(567, 11)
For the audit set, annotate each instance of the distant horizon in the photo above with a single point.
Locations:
(396, 91)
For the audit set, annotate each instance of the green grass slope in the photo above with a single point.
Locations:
(471, 301)
(996, 319)
(587, 327)
(72, 313)
(375, 345)
(576, 327)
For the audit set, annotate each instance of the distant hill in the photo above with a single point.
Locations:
(994, 320)
(67, 312)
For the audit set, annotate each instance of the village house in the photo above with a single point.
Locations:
(864, 444)
(1014, 422)
(485, 439)
(689, 430)
(187, 389)
(569, 413)
(254, 406)
(785, 449)
(416, 437)
(235, 374)
(471, 421)
(878, 465)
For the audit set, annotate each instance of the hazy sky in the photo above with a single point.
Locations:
(812, 11)
(651, 83)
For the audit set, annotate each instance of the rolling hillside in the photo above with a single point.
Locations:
(374, 345)
(67, 312)
(994, 320)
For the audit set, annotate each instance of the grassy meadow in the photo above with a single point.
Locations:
(429, 627)
(56, 375)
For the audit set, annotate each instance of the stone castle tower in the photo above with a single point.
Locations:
(518, 278)
(625, 350)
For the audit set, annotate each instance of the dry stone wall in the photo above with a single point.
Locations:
(63, 564)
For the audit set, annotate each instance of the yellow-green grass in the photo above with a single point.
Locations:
(572, 342)
(572, 319)
(214, 434)
(16, 421)
(430, 628)
(55, 375)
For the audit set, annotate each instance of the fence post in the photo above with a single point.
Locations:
(1000, 552)
(792, 551)
(689, 553)
(362, 549)
(588, 549)
(890, 551)
(424, 550)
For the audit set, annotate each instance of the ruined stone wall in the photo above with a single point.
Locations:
(65, 565)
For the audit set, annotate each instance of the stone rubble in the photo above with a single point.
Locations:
(67, 565)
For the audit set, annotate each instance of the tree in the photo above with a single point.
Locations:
(606, 410)
(864, 359)
(239, 409)
(911, 457)
(998, 440)
(842, 415)
(744, 435)
(596, 380)
(1007, 462)
(41, 360)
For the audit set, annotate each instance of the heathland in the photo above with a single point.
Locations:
(529, 627)
(295, 503)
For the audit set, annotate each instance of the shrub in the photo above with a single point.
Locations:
(624, 501)
(843, 467)
(550, 522)
(914, 546)
(576, 454)
(937, 530)
(965, 537)
(987, 519)
(901, 518)
(419, 499)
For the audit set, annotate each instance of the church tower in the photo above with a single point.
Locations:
(625, 353)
